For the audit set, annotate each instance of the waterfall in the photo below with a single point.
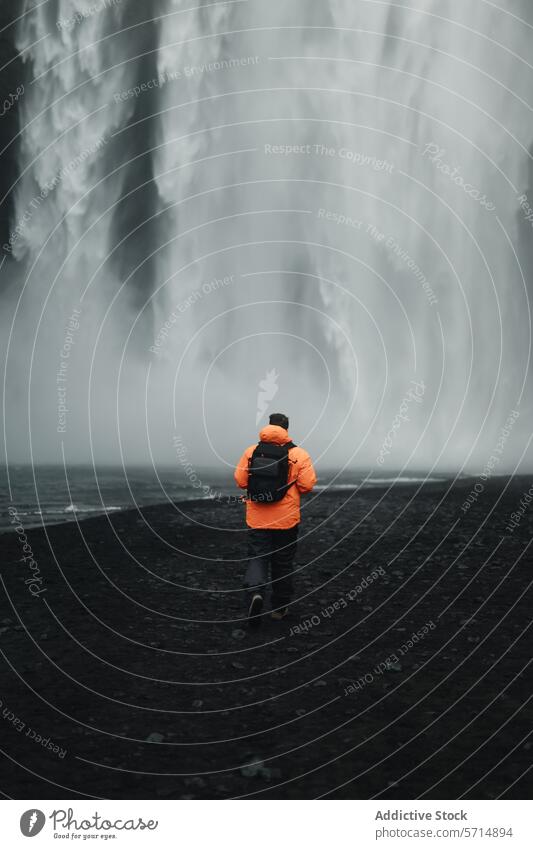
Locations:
(332, 193)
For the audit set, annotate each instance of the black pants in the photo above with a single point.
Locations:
(275, 549)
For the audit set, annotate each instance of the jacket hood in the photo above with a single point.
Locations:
(274, 433)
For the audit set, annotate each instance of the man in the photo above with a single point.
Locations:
(275, 472)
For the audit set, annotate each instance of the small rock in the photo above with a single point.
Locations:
(236, 665)
(268, 773)
(154, 737)
(252, 769)
(197, 703)
(393, 666)
(257, 769)
(195, 781)
(238, 634)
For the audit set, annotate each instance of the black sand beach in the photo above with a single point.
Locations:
(131, 674)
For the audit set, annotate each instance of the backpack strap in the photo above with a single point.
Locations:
(288, 446)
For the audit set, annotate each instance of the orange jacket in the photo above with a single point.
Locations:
(285, 513)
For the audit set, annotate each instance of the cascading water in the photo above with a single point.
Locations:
(326, 192)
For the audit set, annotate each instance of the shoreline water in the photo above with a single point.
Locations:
(84, 504)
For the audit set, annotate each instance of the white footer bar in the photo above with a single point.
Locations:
(276, 824)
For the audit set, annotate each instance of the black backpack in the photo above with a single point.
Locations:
(268, 472)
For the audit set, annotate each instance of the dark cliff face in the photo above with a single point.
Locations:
(12, 76)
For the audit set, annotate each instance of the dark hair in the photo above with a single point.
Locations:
(279, 419)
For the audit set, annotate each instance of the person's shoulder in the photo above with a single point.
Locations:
(299, 453)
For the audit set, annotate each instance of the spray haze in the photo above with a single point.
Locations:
(239, 202)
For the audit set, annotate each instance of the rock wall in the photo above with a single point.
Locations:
(11, 79)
